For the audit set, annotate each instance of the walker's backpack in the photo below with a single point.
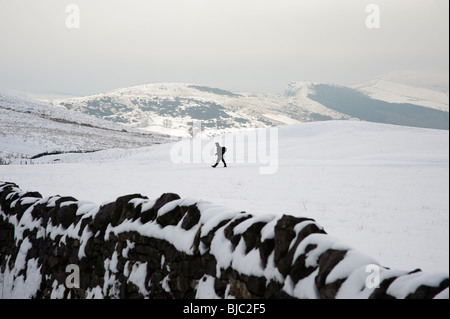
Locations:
(224, 149)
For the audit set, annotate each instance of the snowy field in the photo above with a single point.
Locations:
(382, 189)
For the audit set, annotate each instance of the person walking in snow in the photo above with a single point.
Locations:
(219, 152)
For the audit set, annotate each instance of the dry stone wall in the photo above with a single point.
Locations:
(135, 247)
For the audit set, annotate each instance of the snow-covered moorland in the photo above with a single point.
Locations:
(380, 188)
(29, 128)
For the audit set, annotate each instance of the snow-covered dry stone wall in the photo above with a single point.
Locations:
(134, 247)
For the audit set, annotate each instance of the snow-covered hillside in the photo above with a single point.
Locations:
(28, 128)
(382, 189)
(429, 90)
(398, 104)
(170, 108)
(404, 98)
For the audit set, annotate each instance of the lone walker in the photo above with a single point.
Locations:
(220, 151)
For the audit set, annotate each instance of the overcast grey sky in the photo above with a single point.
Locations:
(239, 45)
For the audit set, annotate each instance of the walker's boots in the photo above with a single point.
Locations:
(214, 165)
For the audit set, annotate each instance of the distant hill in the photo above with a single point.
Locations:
(424, 89)
(356, 104)
(146, 114)
(29, 128)
(171, 108)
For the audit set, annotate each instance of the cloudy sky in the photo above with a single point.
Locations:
(239, 45)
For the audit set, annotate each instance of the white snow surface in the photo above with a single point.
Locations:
(380, 189)
(429, 90)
